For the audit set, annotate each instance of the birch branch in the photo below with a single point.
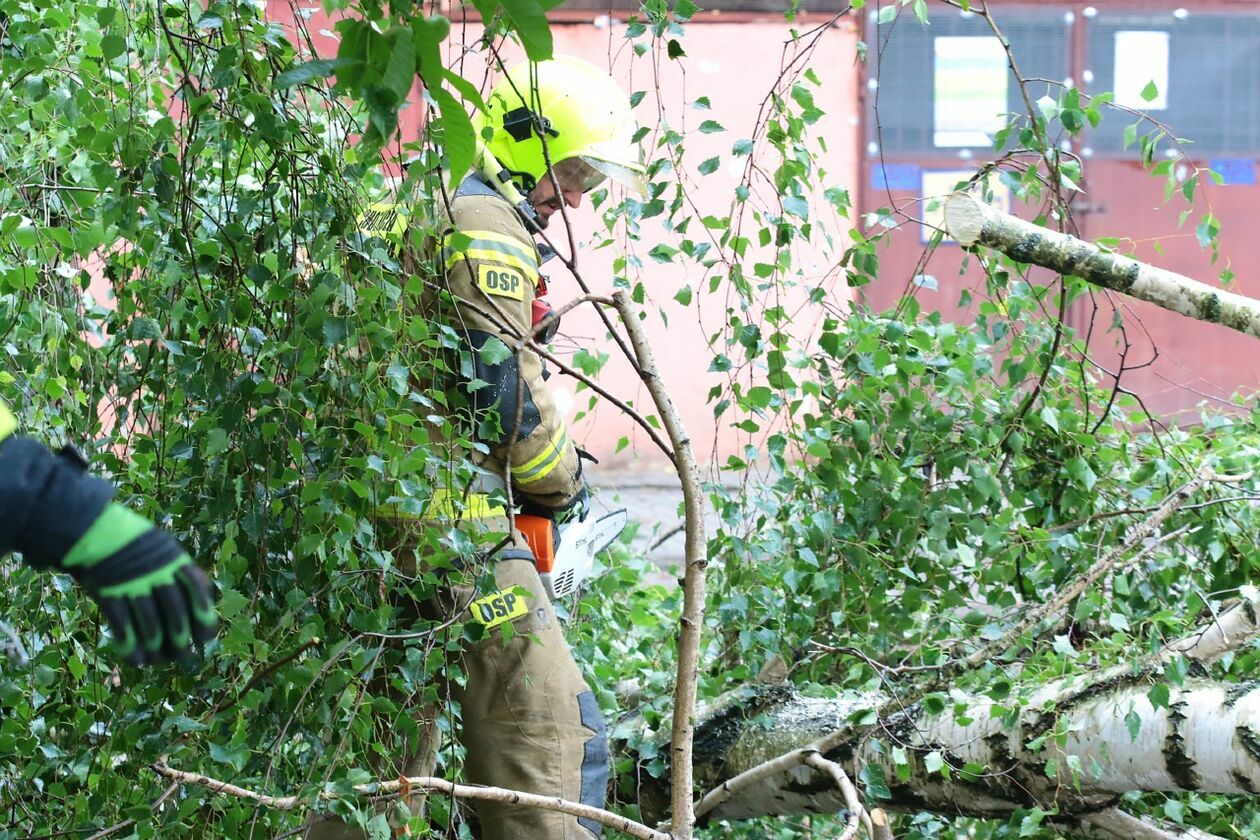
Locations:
(696, 559)
(1123, 825)
(880, 829)
(857, 814)
(427, 783)
(1071, 591)
(1234, 627)
(973, 222)
(748, 778)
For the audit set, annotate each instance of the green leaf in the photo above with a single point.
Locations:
(493, 351)
(231, 603)
(458, 135)
(112, 46)
(216, 443)
(466, 89)
(711, 127)
(674, 49)
(428, 35)
(742, 148)
(872, 776)
(1207, 230)
(759, 396)
(233, 757)
(887, 14)
(709, 166)
(1031, 823)
(529, 19)
(307, 71)
(796, 205)
(934, 762)
(400, 70)
(1159, 695)
(1133, 722)
(1078, 468)
(1150, 92)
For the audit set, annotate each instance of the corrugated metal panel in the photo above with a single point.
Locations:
(902, 61)
(1213, 79)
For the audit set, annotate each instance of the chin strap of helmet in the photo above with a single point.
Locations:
(500, 177)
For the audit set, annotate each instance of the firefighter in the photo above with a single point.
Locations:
(552, 132)
(158, 604)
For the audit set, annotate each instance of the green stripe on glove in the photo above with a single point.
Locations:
(157, 601)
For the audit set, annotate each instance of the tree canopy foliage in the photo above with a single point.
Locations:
(911, 488)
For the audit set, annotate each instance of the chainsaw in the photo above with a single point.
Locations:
(565, 554)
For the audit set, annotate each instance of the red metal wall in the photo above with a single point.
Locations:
(1176, 363)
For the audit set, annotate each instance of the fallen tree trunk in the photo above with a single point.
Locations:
(973, 222)
(1073, 745)
(1112, 740)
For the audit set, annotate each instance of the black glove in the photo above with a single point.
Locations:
(157, 602)
(576, 510)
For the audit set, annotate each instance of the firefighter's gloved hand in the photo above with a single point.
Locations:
(158, 603)
(575, 511)
(60, 517)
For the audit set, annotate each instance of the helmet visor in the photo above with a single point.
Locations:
(577, 174)
(630, 177)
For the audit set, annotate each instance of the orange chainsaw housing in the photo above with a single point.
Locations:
(540, 533)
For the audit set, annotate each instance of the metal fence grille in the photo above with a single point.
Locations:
(1213, 89)
(902, 74)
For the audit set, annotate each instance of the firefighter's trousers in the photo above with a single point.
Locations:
(528, 720)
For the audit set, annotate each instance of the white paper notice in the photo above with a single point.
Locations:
(969, 85)
(1141, 60)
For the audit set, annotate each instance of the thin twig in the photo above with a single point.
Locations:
(661, 540)
(887, 670)
(428, 783)
(128, 823)
(273, 667)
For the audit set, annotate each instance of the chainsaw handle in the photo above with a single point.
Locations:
(540, 534)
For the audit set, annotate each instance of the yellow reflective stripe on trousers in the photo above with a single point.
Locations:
(8, 423)
(542, 464)
(382, 220)
(489, 246)
(453, 505)
(447, 504)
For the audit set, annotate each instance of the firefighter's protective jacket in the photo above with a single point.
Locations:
(490, 266)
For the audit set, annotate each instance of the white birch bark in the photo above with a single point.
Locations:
(1208, 739)
(973, 222)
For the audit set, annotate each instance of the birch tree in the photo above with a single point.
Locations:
(956, 585)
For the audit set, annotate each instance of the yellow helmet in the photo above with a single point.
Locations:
(573, 107)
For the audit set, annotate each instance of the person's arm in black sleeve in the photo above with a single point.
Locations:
(158, 603)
